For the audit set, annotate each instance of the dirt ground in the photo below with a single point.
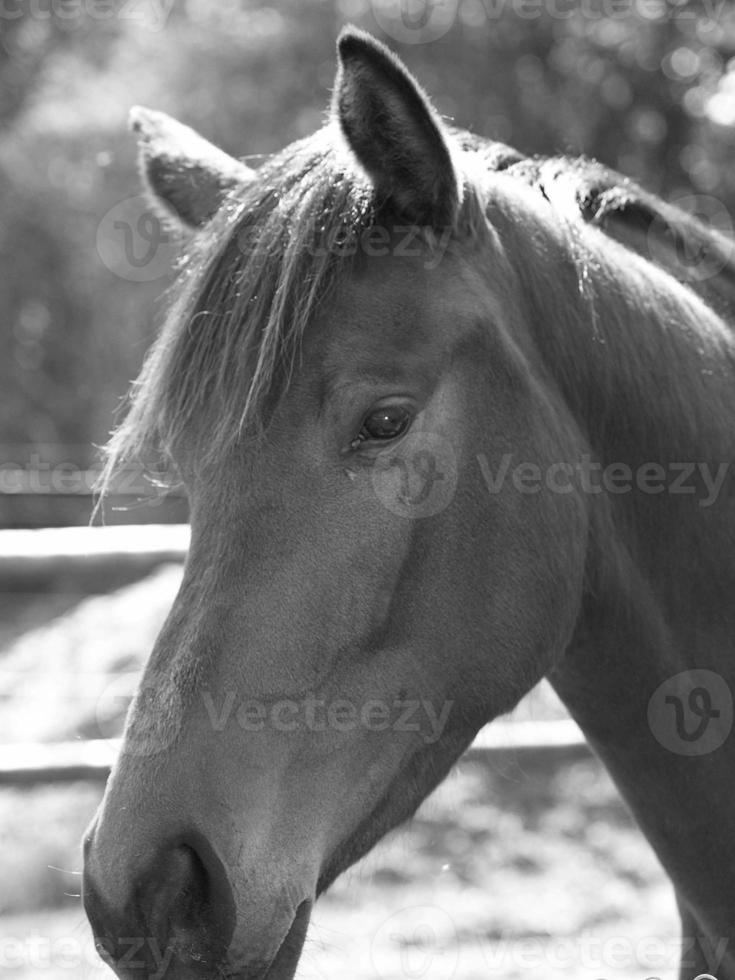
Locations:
(520, 873)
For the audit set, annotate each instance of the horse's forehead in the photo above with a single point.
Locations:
(409, 308)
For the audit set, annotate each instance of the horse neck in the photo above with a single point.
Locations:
(647, 371)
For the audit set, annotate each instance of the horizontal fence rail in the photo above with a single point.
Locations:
(523, 742)
(61, 495)
(92, 559)
(41, 510)
(30, 763)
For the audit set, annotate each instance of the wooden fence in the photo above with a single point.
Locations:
(93, 559)
(54, 492)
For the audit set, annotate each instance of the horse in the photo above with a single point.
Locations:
(450, 421)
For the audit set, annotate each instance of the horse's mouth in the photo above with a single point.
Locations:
(286, 959)
(284, 963)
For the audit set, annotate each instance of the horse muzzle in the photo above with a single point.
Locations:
(175, 918)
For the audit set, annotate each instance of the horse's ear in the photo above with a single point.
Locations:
(394, 132)
(186, 177)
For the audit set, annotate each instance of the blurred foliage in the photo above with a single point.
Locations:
(647, 86)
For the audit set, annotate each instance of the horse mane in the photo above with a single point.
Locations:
(247, 286)
(637, 219)
(642, 350)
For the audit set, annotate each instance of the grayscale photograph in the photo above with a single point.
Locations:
(367, 489)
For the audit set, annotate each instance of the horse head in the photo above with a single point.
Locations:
(341, 377)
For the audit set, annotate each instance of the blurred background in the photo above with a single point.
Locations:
(647, 86)
(503, 853)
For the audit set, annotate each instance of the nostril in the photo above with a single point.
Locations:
(179, 901)
(177, 894)
(186, 902)
(195, 887)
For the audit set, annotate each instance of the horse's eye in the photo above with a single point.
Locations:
(385, 423)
